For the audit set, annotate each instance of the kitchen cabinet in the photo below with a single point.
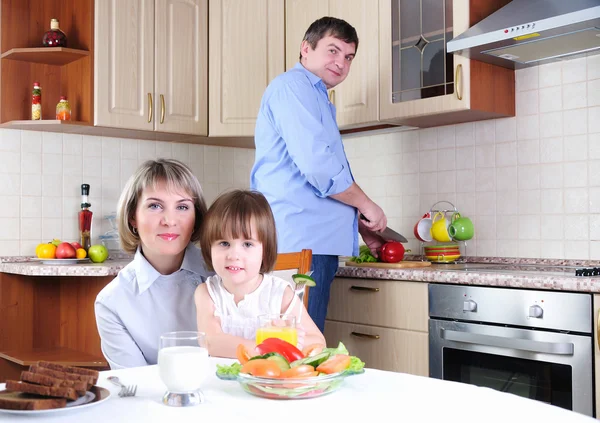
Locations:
(422, 85)
(151, 65)
(596, 317)
(246, 49)
(385, 323)
(357, 98)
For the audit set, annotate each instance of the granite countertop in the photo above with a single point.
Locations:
(556, 275)
(29, 267)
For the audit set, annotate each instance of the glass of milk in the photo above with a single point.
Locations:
(183, 367)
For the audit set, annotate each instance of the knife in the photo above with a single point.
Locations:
(388, 233)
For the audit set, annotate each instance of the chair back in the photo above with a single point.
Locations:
(288, 264)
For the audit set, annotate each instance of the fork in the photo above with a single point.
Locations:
(126, 391)
(299, 290)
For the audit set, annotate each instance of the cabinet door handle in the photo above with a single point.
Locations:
(363, 288)
(457, 78)
(149, 107)
(162, 108)
(364, 335)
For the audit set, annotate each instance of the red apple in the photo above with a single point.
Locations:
(76, 245)
(65, 251)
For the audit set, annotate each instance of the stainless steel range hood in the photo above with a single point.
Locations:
(531, 32)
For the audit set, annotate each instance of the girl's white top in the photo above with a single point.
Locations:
(242, 319)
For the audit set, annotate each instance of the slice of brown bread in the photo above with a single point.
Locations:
(70, 369)
(89, 380)
(39, 379)
(10, 400)
(49, 391)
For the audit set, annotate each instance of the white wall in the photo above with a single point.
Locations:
(531, 183)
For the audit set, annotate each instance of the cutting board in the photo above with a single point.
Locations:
(400, 265)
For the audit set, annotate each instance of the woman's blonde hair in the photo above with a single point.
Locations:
(231, 215)
(177, 176)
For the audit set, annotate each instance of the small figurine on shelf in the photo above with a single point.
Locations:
(63, 109)
(54, 37)
(36, 102)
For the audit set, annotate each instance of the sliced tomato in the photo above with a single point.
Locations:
(243, 354)
(261, 368)
(289, 351)
(335, 364)
(312, 350)
(298, 371)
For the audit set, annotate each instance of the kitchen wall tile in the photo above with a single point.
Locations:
(552, 227)
(10, 229)
(111, 148)
(574, 95)
(92, 166)
(52, 186)
(31, 141)
(72, 144)
(52, 164)
(577, 227)
(129, 148)
(576, 200)
(10, 142)
(529, 177)
(527, 103)
(31, 228)
(552, 201)
(528, 152)
(594, 145)
(146, 150)
(593, 67)
(593, 93)
(577, 250)
(576, 148)
(485, 156)
(485, 132)
(198, 171)
(506, 178)
(595, 250)
(410, 207)
(164, 150)
(528, 127)
(51, 228)
(52, 207)
(181, 152)
(72, 186)
(507, 227)
(506, 154)
(426, 201)
(27, 247)
(550, 74)
(574, 70)
(428, 183)
(507, 248)
(552, 249)
(409, 140)
(527, 79)
(595, 227)
(465, 134)
(31, 207)
(486, 179)
(551, 99)
(10, 162)
(391, 183)
(529, 227)
(465, 157)
(52, 143)
(551, 175)
(428, 139)
(465, 203)
(530, 248)
(70, 230)
(551, 125)
(529, 202)
(428, 161)
(486, 227)
(575, 175)
(31, 163)
(551, 150)
(485, 203)
(410, 184)
(446, 181)
(111, 167)
(486, 248)
(71, 207)
(446, 136)
(10, 206)
(594, 120)
(506, 130)
(26, 185)
(92, 146)
(575, 121)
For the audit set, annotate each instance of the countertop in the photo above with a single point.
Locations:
(557, 275)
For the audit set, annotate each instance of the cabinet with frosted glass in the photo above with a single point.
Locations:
(423, 85)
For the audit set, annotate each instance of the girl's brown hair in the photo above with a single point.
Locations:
(177, 176)
(231, 215)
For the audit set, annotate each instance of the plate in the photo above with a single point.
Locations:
(94, 396)
(62, 261)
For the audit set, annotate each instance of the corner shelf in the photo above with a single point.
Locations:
(57, 56)
(49, 125)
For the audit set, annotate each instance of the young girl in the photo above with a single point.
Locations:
(239, 242)
(159, 215)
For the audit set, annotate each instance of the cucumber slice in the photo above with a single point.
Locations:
(303, 279)
(264, 356)
(281, 362)
(312, 361)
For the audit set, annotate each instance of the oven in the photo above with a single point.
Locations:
(535, 344)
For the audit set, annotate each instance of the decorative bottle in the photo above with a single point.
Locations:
(54, 37)
(85, 218)
(63, 109)
(36, 102)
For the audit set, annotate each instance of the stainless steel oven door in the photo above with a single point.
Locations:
(547, 366)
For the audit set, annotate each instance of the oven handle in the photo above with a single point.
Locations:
(562, 348)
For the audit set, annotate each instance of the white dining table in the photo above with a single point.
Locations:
(371, 396)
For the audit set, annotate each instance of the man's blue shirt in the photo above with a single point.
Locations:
(300, 162)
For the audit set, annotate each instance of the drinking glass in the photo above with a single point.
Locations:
(183, 367)
(282, 326)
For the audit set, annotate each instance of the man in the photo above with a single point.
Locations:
(301, 166)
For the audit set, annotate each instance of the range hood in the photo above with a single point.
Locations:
(527, 33)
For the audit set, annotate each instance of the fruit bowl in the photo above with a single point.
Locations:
(309, 387)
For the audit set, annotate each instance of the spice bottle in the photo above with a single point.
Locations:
(54, 37)
(63, 109)
(36, 102)
(85, 219)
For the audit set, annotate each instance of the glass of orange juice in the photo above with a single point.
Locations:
(282, 326)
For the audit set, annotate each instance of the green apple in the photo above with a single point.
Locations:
(56, 242)
(98, 253)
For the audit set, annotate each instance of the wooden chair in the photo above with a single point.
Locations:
(295, 261)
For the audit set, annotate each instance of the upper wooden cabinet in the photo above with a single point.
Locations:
(246, 49)
(357, 98)
(422, 85)
(151, 65)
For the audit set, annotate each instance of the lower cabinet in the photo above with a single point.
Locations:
(384, 322)
(596, 318)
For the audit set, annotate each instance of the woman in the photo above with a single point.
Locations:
(159, 217)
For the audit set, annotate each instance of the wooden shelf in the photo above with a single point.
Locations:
(64, 356)
(47, 125)
(57, 56)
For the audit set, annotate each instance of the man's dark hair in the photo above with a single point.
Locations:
(328, 26)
